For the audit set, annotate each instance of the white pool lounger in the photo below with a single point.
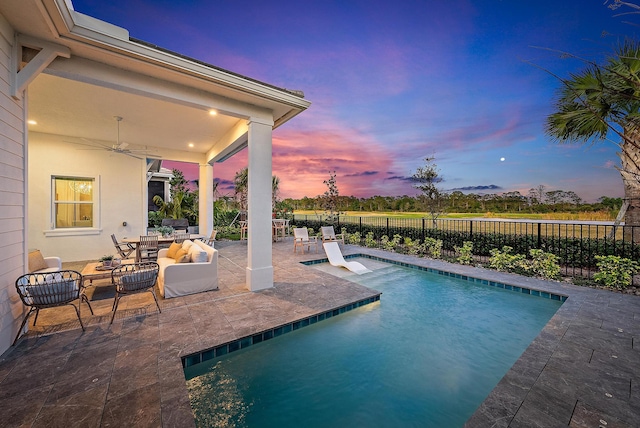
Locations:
(335, 259)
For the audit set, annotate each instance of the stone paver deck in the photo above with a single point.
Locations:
(583, 368)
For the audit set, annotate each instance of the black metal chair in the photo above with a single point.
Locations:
(124, 249)
(48, 290)
(132, 279)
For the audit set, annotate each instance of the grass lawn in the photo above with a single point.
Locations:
(584, 216)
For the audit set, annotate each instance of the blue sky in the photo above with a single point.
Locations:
(394, 82)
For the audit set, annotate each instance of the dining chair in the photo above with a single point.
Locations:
(278, 229)
(48, 290)
(243, 230)
(212, 238)
(124, 249)
(147, 248)
(181, 237)
(132, 279)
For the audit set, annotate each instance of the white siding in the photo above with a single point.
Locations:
(12, 197)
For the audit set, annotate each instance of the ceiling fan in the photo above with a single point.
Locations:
(118, 146)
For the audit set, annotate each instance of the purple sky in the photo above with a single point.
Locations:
(394, 82)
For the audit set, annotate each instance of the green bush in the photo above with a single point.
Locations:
(504, 261)
(433, 247)
(615, 272)
(154, 219)
(228, 232)
(413, 247)
(465, 253)
(386, 244)
(369, 241)
(354, 238)
(543, 265)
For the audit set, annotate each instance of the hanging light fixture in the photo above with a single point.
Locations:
(80, 187)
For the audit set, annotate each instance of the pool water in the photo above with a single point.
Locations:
(426, 355)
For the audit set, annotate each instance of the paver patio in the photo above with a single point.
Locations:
(583, 368)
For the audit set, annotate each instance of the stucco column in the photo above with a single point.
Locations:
(205, 199)
(259, 267)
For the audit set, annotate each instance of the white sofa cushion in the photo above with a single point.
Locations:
(186, 244)
(197, 254)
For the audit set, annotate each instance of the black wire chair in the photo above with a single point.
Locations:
(49, 290)
(132, 279)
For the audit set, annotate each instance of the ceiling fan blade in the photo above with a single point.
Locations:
(87, 145)
(95, 143)
(122, 146)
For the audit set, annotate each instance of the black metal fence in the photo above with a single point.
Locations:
(576, 244)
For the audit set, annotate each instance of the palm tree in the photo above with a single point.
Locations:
(241, 185)
(600, 101)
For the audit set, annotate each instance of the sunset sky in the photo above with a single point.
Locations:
(392, 82)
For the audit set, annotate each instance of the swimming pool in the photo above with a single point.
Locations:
(427, 354)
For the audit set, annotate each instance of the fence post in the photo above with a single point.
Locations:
(387, 226)
(470, 229)
(360, 226)
(423, 234)
(539, 235)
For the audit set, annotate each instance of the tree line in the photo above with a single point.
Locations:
(538, 200)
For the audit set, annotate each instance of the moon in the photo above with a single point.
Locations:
(502, 159)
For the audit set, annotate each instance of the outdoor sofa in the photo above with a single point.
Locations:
(187, 268)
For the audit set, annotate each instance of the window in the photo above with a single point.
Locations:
(73, 204)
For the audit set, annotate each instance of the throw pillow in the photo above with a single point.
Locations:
(36, 261)
(197, 254)
(186, 244)
(182, 256)
(173, 249)
(199, 257)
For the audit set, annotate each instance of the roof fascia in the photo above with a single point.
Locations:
(85, 29)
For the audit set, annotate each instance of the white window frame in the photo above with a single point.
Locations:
(74, 231)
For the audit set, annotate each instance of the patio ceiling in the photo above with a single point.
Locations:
(70, 108)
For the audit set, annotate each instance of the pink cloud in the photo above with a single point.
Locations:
(303, 160)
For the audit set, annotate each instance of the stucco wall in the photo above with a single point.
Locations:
(120, 196)
(12, 187)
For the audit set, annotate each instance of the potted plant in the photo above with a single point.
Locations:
(106, 260)
(164, 230)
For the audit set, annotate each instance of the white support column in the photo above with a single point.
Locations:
(205, 199)
(260, 265)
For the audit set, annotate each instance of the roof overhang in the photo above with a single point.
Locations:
(164, 97)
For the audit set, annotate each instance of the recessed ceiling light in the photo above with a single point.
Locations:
(191, 144)
(213, 112)
(32, 122)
